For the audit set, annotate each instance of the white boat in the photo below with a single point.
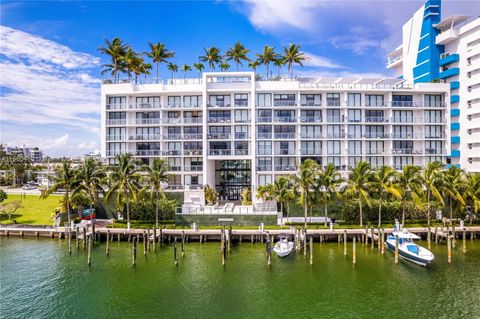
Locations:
(408, 249)
(283, 247)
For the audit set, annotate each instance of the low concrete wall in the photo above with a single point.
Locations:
(225, 219)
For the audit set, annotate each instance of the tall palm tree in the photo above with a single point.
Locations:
(199, 67)
(328, 183)
(453, 188)
(292, 55)
(432, 183)
(264, 192)
(138, 67)
(212, 57)
(472, 184)
(90, 180)
(358, 185)
(409, 182)
(266, 57)
(224, 66)
(159, 54)
(131, 61)
(253, 65)
(65, 178)
(156, 179)
(173, 68)
(115, 49)
(145, 69)
(382, 183)
(280, 191)
(185, 69)
(124, 183)
(304, 180)
(279, 63)
(238, 54)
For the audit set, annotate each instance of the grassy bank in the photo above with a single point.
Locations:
(35, 211)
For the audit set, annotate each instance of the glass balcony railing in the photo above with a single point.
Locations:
(220, 152)
(145, 105)
(116, 137)
(284, 103)
(284, 135)
(116, 122)
(116, 106)
(148, 121)
(144, 137)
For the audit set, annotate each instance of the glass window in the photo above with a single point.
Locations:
(333, 147)
(333, 99)
(264, 99)
(354, 99)
(433, 100)
(284, 99)
(374, 100)
(192, 101)
(310, 99)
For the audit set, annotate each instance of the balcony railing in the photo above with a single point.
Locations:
(193, 152)
(172, 105)
(375, 152)
(116, 122)
(136, 106)
(310, 152)
(242, 120)
(193, 168)
(115, 153)
(264, 120)
(191, 105)
(193, 120)
(144, 137)
(242, 152)
(376, 135)
(333, 119)
(284, 103)
(310, 103)
(376, 119)
(219, 119)
(284, 135)
(219, 136)
(407, 151)
(116, 106)
(285, 119)
(335, 135)
(333, 103)
(263, 136)
(311, 119)
(311, 135)
(148, 121)
(116, 137)
(220, 152)
(241, 103)
(285, 168)
(264, 168)
(241, 136)
(192, 136)
(415, 119)
(176, 120)
(172, 152)
(435, 151)
(285, 152)
(148, 152)
(417, 104)
(219, 104)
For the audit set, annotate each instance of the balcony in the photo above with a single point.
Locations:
(455, 153)
(435, 151)
(148, 121)
(454, 126)
(311, 119)
(264, 136)
(375, 152)
(264, 168)
(193, 120)
(377, 135)
(172, 153)
(174, 105)
(454, 99)
(242, 152)
(310, 152)
(334, 119)
(264, 120)
(116, 106)
(116, 138)
(193, 136)
(376, 119)
(219, 136)
(284, 119)
(193, 168)
(116, 122)
(333, 103)
(148, 152)
(454, 85)
(191, 105)
(242, 136)
(311, 135)
(335, 135)
(219, 104)
(285, 152)
(454, 112)
(406, 151)
(284, 103)
(284, 135)
(310, 103)
(144, 137)
(144, 106)
(192, 152)
(285, 168)
(172, 137)
(219, 119)
(176, 120)
(448, 59)
(446, 36)
(449, 73)
(240, 103)
(394, 62)
(220, 152)
(115, 153)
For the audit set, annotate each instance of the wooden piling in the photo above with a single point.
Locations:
(148, 239)
(345, 242)
(70, 241)
(229, 240)
(305, 242)
(464, 240)
(454, 237)
(372, 232)
(222, 247)
(379, 239)
(354, 251)
(93, 231)
(428, 238)
(175, 251)
(154, 239)
(436, 235)
(107, 248)
(183, 243)
(134, 250)
(160, 242)
(382, 242)
(89, 254)
(396, 249)
(76, 237)
(366, 236)
(84, 237)
(269, 251)
(144, 235)
(449, 249)
(311, 250)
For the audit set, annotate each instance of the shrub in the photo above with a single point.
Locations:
(144, 209)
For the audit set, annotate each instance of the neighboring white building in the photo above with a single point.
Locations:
(447, 51)
(34, 153)
(231, 131)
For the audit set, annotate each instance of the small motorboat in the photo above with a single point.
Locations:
(283, 247)
(409, 250)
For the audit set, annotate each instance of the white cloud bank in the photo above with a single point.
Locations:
(47, 83)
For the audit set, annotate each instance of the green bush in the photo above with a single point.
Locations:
(144, 209)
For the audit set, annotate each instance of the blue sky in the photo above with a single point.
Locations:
(50, 66)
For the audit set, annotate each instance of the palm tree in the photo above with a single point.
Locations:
(172, 68)
(409, 183)
(253, 65)
(328, 183)
(199, 67)
(304, 180)
(292, 55)
(159, 54)
(131, 61)
(266, 57)
(453, 188)
(280, 191)
(138, 67)
(145, 69)
(116, 49)
(358, 185)
(185, 69)
(212, 56)
(238, 54)
(65, 178)
(279, 63)
(90, 179)
(432, 184)
(472, 184)
(264, 192)
(124, 182)
(224, 66)
(382, 183)
(157, 177)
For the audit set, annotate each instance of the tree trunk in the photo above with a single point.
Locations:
(361, 212)
(428, 208)
(305, 212)
(68, 207)
(403, 212)
(156, 209)
(326, 212)
(157, 73)
(267, 78)
(380, 214)
(451, 212)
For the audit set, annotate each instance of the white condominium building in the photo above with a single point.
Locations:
(231, 131)
(447, 51)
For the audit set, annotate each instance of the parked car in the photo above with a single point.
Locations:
(29, 187)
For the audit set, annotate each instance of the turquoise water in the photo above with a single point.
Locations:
(39, 279)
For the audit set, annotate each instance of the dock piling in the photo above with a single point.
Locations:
(134, 250)
(269, 251)
(311, 250)
(89, 256)
(175, 251)
(154, 239)
(449, 248)
(107, 251)
(464, 240)
(428, 238)
(396, 249)
(345, 242)
(354, 250)
(183, 243)
(144, 237)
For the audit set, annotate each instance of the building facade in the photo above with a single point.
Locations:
(33, 153)
(230, 131)
(446, 51)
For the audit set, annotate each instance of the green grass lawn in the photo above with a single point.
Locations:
(35, 211)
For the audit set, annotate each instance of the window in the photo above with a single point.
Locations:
(116, 133)
(354, 131)
(310, 99)
(311, 148)
(147, 133)
(241, 131)
(334, 131)
(147, 115)
(354, 147)
(353, 160)
(117, 115)
(354, 116)
(333, 99)
(401, 161)
(402, 147)
(241, 116)
(402, 131)
(285, 164)
(241, 99)
(114, 149)
(264, 148)
(374, 147)
(311, 116)
(192, 101)
(374, 131)
(116, 102)
(174, 101)
(148, 101)
(219, 100)
(284, 116)
(403, 116)
(284, 131)
(375, 161)
(284, 148)
(374, 116)
(333, 116)
(335, 160)
(241, 148)
(264, 116)
(264, 100)
(264, 164)
(311, 131)
(333, 147)
(219, 116)
(374, 100)
(264, 131)
(433, 131)
(433, 147)
(402, 100)
(433, 116)
(354, 99)
(284, 99)
(432, 100)
(264, 180)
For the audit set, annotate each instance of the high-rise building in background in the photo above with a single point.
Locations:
(448, 50)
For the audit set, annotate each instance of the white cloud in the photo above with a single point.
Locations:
(321, 62)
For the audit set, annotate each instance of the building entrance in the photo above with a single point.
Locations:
(231, 177)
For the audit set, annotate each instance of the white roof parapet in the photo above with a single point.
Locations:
(451, 21)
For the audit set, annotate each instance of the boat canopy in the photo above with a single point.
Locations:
(405, 234)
